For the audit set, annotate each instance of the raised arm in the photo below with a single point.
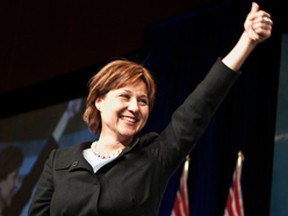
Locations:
(257, 28)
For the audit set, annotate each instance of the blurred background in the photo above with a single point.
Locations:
(50, 49)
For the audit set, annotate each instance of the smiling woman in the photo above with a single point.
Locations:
(124, 111)
(132, 179)
(115, 76)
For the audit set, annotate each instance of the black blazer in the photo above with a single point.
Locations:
(133, 184)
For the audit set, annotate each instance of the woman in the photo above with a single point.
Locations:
(123, 173)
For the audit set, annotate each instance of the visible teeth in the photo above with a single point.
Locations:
(129, 119)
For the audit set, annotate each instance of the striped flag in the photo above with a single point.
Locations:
(181, 207)
(234, 204)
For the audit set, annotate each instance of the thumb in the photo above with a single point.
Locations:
(255, 7)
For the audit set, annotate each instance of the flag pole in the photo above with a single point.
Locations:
(181, 202)
(186, 165)
(234, 205)
(240, 162)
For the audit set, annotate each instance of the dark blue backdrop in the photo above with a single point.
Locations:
(180, 52)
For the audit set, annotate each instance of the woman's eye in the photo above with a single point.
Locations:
(125, 96)
(143, 101)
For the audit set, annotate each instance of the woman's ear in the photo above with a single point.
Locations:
(98, 103)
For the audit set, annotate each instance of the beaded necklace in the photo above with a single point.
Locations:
(103, 155)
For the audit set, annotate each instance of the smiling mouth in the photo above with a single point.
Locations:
(129, 119)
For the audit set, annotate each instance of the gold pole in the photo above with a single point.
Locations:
(240, 162)
(186, 165)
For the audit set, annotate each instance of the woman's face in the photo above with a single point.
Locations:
(7, 187)
(124, 111)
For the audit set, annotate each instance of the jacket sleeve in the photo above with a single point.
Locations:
(191, 118)
(41, 201)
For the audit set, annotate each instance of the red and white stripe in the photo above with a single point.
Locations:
(234, 204)
(181, 206)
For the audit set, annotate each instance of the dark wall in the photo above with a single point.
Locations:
(41, 40)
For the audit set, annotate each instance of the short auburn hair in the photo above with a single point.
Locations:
(115, 75)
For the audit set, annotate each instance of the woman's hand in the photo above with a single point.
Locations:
(258, 24)
(257, 28)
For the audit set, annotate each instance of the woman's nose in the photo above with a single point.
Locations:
(133, 105)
